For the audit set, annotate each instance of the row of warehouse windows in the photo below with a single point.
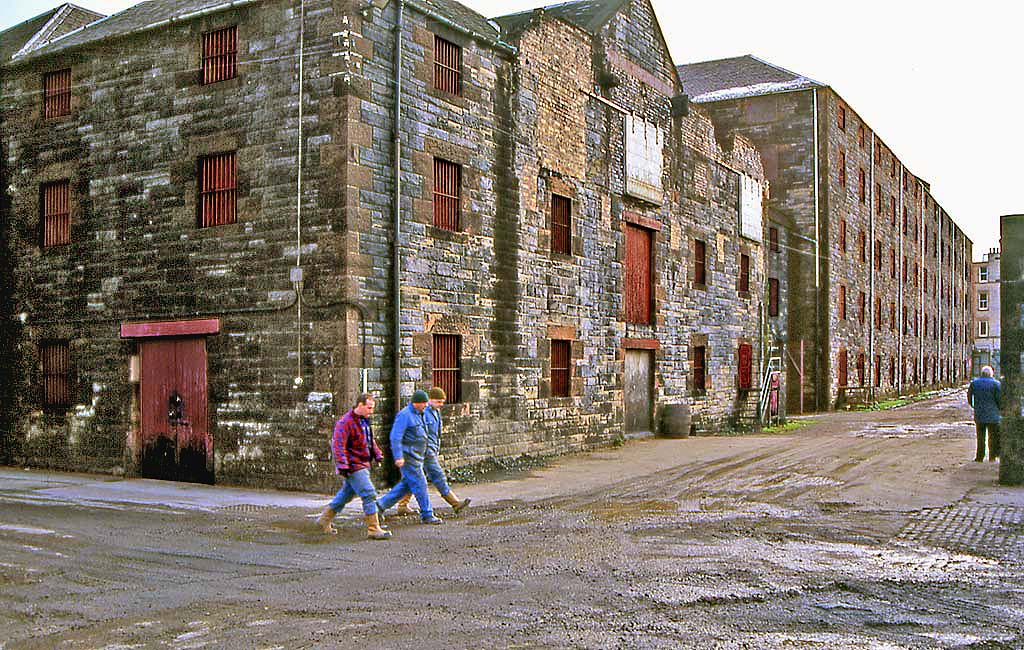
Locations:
(862, 137)
(220, 63)
(930, 366)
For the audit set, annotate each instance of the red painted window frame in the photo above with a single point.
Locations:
(639, 274)
(220, 55)
(842, 302)
(447, 66)
(561, 368)
(446, 365)
(57, 93)
(447, 195)
(561, 224)
(55, 214)
(218, 190)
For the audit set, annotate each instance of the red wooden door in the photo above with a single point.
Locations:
(638, 274)
(176, 444)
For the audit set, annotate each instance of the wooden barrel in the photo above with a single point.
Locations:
(675, 420)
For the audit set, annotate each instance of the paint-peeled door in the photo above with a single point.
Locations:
(176, 444)
(639, 388)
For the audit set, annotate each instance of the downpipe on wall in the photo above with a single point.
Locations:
(396, 259)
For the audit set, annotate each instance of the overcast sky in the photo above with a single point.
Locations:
(939, 82)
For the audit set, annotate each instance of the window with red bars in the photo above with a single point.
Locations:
(55, 359)
(220, 55)
(746, 366)
(700, 262)
(892, 209)
(861, 136)
(842, 302)
(744, 273)
(447, 365)
(862, 302)
(892, 316)
(862, 246)
(860, 369)
(57, 93)
(561, 367)
(561, 225)
(892, 263)
(878, 254)
(843, 367)
(773, 296)
(862, 185)
(447, 194)
(842, 168)
(773, 239)
(842, 235)
(447, 66)
(639, 261)
(55, 208)
(841, 118)
(878, 370)
(218, 190)
(878, 198)
(892, 371)
(878, 313)
(698, 359)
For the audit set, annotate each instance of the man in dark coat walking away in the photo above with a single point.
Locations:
(984, 395)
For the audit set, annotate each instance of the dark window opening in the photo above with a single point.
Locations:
(700, 260)
(698, 359)
(744, 273)
(773, 296)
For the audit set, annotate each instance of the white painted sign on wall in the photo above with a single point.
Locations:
(750, 208)
(644, 160)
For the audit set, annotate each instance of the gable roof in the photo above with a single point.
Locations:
(459, 14)
(47, 26)
(588, 15)
(741, 76)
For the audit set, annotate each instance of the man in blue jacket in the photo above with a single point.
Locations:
(984, 395)
(409, 446)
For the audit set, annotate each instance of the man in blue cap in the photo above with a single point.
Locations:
(984, 395)
(409, 446)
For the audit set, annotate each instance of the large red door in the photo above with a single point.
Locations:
(176, 444)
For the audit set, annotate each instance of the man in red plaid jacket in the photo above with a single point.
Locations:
(354, 451)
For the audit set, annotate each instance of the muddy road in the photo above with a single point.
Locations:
(858, 530)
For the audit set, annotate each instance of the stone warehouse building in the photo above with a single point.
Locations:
(214, 249)
(878, 274)
(986, 312)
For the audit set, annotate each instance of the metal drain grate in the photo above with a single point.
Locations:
(989, 530)
(245, 507)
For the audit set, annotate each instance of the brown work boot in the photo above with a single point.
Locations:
(324, 522)
(373, 529)
(403, 507)
(454, 501)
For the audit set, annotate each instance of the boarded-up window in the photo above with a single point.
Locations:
(773, 296)
(639, 251)
(773, 239)
(744, 284)
(698, 360)
(447, 66)
(746, 366)
(220, 55)
(55, 358)
(700, 262)
(57, 93)
(217, 190)
(447, 365)
(644, 159)
(561, 224)
(843, 368)
(55, 222)
(447, 194)
(561, 368)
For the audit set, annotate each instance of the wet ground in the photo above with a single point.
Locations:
(859, 530)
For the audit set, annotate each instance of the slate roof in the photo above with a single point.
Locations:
(741, 76)
(588, 15)
(151, 12)
(13, 39)
(47, 26)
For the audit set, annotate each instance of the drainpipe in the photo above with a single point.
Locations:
(396, 261)
(296, 274)
(876, 369)
(817, 268)
(900, 283)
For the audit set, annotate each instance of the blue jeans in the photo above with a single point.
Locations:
(435, 473)
(357, 482)
(413, 481)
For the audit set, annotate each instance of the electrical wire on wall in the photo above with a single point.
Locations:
(296, 274)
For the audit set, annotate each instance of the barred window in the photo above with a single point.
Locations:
(842, 302)
(698, 359)
(55, 206)
(447, 365)
(447, 194)
(561, 224)
(561, 368)
(842, 168)
(862, 185)
(700, 262)
(220, 55)
(57, 93)
(841, 118)
(55, 358)
(744, 273)
(217, 190)
(447, 66)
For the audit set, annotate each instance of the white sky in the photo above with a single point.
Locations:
(940, 82)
